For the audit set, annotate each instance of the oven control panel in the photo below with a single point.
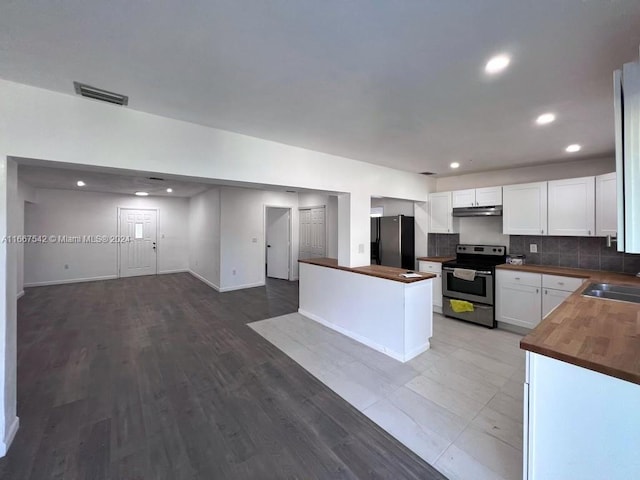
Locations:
(481, 249)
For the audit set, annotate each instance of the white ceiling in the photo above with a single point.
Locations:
(65, 179)
(399, 83)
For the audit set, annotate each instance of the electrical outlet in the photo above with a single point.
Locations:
(254, 240)
(233, 272)
(66, 267)
(533, 248)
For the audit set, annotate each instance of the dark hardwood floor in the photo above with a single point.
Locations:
(160, 378)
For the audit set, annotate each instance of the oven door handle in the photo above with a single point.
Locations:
(478, 272)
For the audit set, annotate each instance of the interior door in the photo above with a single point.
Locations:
(277, 236)
(138, 255)
(313, 233)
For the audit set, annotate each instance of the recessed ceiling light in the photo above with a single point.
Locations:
(497, 64)
(169, 190)
(573, 148)
(142, 194)
(454, 165)
(545, 118)
(80, 183)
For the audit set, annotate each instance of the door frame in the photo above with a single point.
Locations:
(264, 236)
(119, 230)
(326, 230)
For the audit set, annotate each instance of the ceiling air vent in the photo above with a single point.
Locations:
(157, 179)
(99, 94)
(427, 173)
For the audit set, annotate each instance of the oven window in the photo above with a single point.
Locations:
(477, 287)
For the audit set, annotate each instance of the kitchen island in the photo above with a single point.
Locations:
(373, 304)
(582, 384)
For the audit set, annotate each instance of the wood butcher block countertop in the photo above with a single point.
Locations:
(599, 334)
(436, 259)
(388, 273)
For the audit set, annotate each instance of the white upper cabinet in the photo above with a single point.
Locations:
(440, 218)
(572, 207)
(464, 198)
(606, 205)
(525, 209)
(488, 196)
(477, 197)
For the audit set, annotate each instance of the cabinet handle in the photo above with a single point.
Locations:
(542, 231)
(517, 278)
(560, 283)
(537, 291)
(546, 291)
(589, 232)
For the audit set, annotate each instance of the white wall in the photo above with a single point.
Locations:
(331, 217)
(41, 124)
(536, 173)
(26, 193)
(69, 212)
(9, 225)
(393, 206)
(242, 235)
(482, 231)
(204, 236)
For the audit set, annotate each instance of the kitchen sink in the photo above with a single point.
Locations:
(621, 293)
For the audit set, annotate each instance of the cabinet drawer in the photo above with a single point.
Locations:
(431, 267)
(521, 278)
(568, 284)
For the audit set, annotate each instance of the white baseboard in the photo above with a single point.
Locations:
(241, 287)
(181, 270)
(20, 294)
(204, 280)
(72, 280)
(417, 351)
(437, 309)
(355, 336)
(8, 438)
(225, 289)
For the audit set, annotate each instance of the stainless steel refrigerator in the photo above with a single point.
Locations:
(392, 241)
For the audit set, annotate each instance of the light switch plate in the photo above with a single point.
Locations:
(533, 248)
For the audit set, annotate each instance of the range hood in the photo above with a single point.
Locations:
(478, 211)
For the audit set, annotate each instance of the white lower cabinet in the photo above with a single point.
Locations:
(518, 298)
(435, 268)
(525, 298)
(578, 423)
(551, 299)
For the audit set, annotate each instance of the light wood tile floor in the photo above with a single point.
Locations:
(457, 405)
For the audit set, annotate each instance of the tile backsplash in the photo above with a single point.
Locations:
(576, 252)
(442, 244)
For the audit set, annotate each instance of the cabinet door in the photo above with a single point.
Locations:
(524, 209)
(464, 198)
(572, 207)
(518, 297)
(435, 268)
(606, 205)
(551, 299)
(489, 196)
(440, 219)
(437, 292)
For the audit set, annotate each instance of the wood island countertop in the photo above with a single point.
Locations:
(388, 273)
(436, 259)
(598, 334)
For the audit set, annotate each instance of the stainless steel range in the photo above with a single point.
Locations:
(471, 278)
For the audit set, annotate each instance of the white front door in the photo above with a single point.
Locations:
(277, 237)
(138, 255)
